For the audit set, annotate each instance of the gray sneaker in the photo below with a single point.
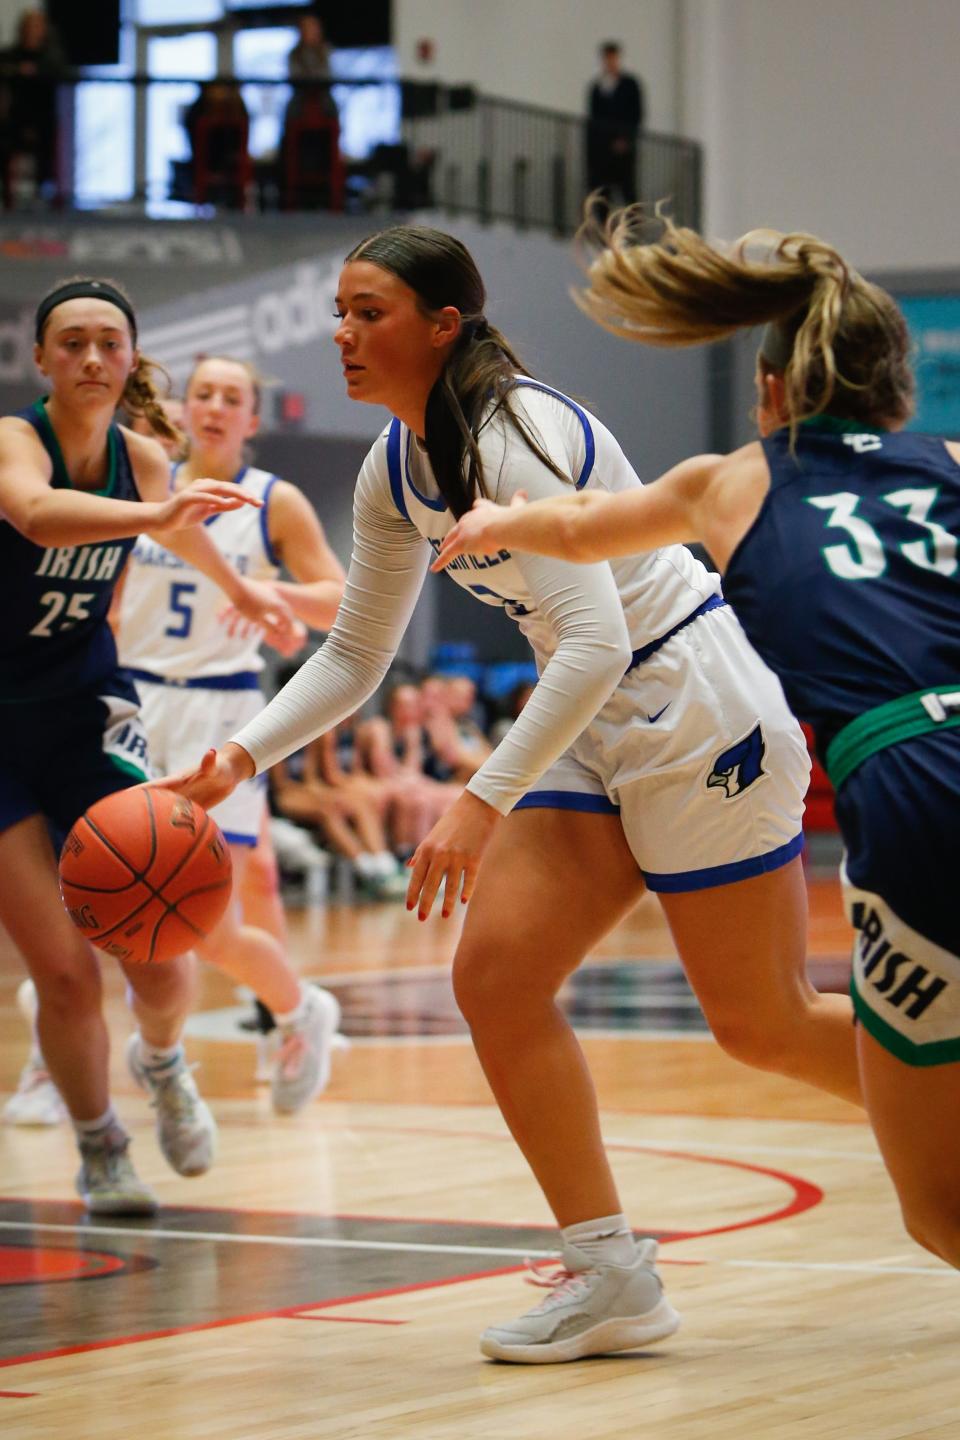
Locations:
(591, 1310)
(302, 1066)
(107, 1182)
(186, 1130)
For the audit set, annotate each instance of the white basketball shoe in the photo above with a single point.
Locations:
(302, 1066)
(592, 1309)
(36, 1100)
(186, 1129)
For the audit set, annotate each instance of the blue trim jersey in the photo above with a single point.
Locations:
(55, 639)
(584, 622)
(847, 581)
(170, 626)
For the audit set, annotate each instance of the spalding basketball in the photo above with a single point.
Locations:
(145, 874)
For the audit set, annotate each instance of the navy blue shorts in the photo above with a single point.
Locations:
(898, 817)
(58, 757)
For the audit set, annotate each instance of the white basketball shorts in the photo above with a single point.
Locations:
(699, 755)
(182, 723)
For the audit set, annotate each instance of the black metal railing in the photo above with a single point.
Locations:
(455, 150)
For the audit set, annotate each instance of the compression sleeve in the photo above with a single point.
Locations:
(582, 607)
(386, 574)
(579, 603)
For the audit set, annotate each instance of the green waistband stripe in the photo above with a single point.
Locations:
(918, 714)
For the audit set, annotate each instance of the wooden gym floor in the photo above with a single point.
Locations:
(329, 1276)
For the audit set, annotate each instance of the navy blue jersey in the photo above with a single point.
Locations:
(55, 639)
(847, 581)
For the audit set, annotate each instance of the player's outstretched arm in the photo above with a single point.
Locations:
(590, 525)
(49, 516)
(216, 777)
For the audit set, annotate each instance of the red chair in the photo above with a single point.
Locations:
(819, 813)
(313, 172)
(222, 166)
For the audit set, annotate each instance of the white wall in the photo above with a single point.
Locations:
(542, 51)
(836, 116)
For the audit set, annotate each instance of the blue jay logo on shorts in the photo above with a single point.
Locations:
(737, 768)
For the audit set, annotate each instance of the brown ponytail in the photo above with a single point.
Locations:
(842, 344)
(143, 395)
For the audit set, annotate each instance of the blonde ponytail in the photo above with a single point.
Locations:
(841, 342)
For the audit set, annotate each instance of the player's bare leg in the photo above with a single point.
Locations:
(744, 949)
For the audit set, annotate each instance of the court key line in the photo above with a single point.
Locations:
(414, 1247)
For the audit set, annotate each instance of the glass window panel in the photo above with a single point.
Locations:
(176, 12)
(263, 54)
(369, 114)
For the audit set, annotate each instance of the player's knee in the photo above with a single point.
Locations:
(66, 993)
(743, 1037)
(494, 984)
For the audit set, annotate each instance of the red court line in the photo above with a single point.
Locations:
(349, 1320)
(287, 1313)
(18, 1394)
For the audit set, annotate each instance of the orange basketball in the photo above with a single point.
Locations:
(144, 874)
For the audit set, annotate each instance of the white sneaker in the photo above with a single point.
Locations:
(36, 1100)
(591, 1310)
(107, 1182)
(186, 1130)
(302, 1066)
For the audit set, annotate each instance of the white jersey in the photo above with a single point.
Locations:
(586, 623)
(169, 625)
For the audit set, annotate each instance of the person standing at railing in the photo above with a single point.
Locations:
(311, 126)
(615, 118)
(31, 67)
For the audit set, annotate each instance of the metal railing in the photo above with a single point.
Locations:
(456, 150)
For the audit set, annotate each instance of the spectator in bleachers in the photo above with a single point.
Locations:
(455, 738)
(396, 747)
(518, 698)
(312, 789)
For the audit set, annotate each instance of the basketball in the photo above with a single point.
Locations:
(145, 874)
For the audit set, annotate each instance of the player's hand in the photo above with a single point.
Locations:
(482, 531)
(450, 855)
(286, 640)
(217, 776)
(258, 603)
(195, 504)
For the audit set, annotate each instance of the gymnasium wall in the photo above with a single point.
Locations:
(837, 118)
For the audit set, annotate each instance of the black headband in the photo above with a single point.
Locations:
(84, 290)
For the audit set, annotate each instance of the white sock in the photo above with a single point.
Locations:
(294, 1016)
(607, 1241)
(159, 1057)
(98, 1129)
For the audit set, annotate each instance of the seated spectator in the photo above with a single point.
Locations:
(457, 742)
(518, 698)
(218, 125)
(345, 814)
(28, 100)
(396, 747)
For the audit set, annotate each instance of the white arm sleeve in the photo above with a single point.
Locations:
(580, 603)
(386, 574)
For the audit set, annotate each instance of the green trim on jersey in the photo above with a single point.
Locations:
(840, 425)
(937, 1052)
(128, 768)
(881, 727)
(61, 478)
